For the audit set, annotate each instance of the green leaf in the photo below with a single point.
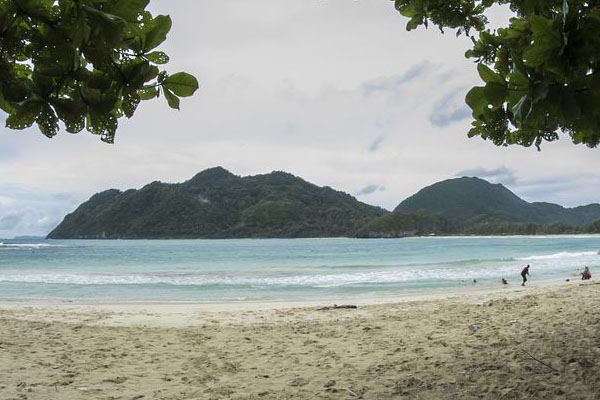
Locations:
(80, 30)
(16, 90)
(98, 100)
(414, 23)
(520, 110)
(148, 93)
(495, 93)
(24, 115)
(477, 101)
(517, 79)
(540, 92)
(44, 84)
(406, 10)
(126, 9)
(515, 31)
(547, 42)
(108, 28)
(72, 113)
(5, 105)
(151, 73)
(157, 32)
(136, 73)
(181, 83)
(476, 130)
(130, 103)
(47, 121)
(109, 18)
(158, 57)
(102, 124)
(37, 8)
(535, 56)
(487, 75)
(171, 99)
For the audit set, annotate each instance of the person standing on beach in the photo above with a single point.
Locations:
(524, 274)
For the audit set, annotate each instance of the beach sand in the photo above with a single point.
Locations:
(523, 343)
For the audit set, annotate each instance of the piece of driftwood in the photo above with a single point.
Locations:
(541, 362)
(336, 307)
(352, 393)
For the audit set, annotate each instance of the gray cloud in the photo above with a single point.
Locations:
(450, 108)
(394, 84)
(10, 221)
(370, 189)
(567, 190)
(502, 175)
(376, 144)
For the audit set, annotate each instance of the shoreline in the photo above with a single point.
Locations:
(188, 313)
(467, 288)
(458, 235)
(537, 343)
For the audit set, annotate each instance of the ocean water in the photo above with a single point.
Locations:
(281, 269)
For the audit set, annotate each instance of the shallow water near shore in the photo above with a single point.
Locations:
(283, 269)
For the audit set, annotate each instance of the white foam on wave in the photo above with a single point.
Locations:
(28, 245)
(387, 276)
(562, 254)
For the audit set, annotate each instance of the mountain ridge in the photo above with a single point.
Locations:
(216, 203)
(452, 199)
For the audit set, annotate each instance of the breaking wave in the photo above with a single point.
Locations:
(307, 280)
(27, 245)
(562, 254)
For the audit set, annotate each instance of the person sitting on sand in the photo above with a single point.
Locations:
(504, 282)
(524, 274)
(586, 274)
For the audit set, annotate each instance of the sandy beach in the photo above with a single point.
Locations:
(521, 343)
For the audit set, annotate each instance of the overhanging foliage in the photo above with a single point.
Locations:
(86, 63)
(540, 73)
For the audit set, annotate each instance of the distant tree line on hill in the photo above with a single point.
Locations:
(425, 223)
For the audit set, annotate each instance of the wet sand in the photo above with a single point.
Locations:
(523, 343)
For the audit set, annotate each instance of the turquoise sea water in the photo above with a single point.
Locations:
(281, 270)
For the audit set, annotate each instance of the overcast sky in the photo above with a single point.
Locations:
(334, 91)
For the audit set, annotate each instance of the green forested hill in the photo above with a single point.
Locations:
(465, 199)
(218, 204)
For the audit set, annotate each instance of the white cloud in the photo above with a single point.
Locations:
(33, 212)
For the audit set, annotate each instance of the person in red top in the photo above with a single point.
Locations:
(586, 274)
(524, 274)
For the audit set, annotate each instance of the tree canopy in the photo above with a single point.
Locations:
(85, 63)
(541, 73)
